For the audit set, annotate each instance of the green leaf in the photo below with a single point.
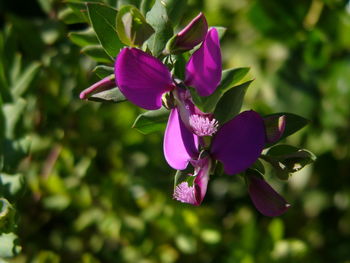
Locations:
(13, 113)
(158, 18)
(229, 78)
(12, 153)
(180, 65)
(21, 84)
(103, 20)
(9, 245)
(258, 166)
(4, 86)
(132, 27)
(151, 121)
(122, 3)
(293, 124)
(80, 11)
(7, 216)
(111, 95)
(15, 69)
(146, 5)
(184, 176)
(10, 185)
(97, 53)
(286, 159)
(230, 103)
(103, 71)
(175, 10)
(84, 38)
(68, 16)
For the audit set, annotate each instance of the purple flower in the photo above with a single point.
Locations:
(237, 144)
(143, 79)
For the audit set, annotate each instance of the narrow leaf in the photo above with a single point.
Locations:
(230, 103)
(146, 5)
(103, 19)
(158, 18)
(229, 78)
(175, 10)
(84, 38)
(103, 71)
(25, 79)
(97, 53)
(111, 95)
(80, 10)
(13, 113)
(68, 16)
(151, 121)
(132, 27)
(286, 159)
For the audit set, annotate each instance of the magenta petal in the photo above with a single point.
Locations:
(180, 145)
(203, 70)
(195, 194)
(202, 170)
(239, 142)
(142, 78)
(266, 200)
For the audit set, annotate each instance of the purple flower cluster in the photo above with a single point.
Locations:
(193, 137)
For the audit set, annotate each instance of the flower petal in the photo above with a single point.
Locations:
(195, 194)
(142, 78)
(203, 70)
(180, 145)
(239, 142)
(266, 200)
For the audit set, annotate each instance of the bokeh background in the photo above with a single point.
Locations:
(88, 188)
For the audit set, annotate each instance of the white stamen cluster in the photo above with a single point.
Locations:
(185, 193)
(202, 125)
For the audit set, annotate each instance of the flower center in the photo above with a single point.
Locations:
(203, 125)
(185, 193)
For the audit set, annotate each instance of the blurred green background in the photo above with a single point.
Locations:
(88, 188)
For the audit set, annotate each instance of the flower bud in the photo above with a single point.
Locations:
(274, 126)
(266, 200)
(189, 37)
(103, 84)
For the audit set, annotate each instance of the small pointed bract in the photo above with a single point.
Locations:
(203, 70)
(142, 78)
(195, 194)
(189, 37)
(266, 200)
(180, 145)
(239, 142)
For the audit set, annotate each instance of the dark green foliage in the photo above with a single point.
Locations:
(79, 185)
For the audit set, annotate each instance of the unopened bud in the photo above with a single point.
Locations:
(192, 35)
